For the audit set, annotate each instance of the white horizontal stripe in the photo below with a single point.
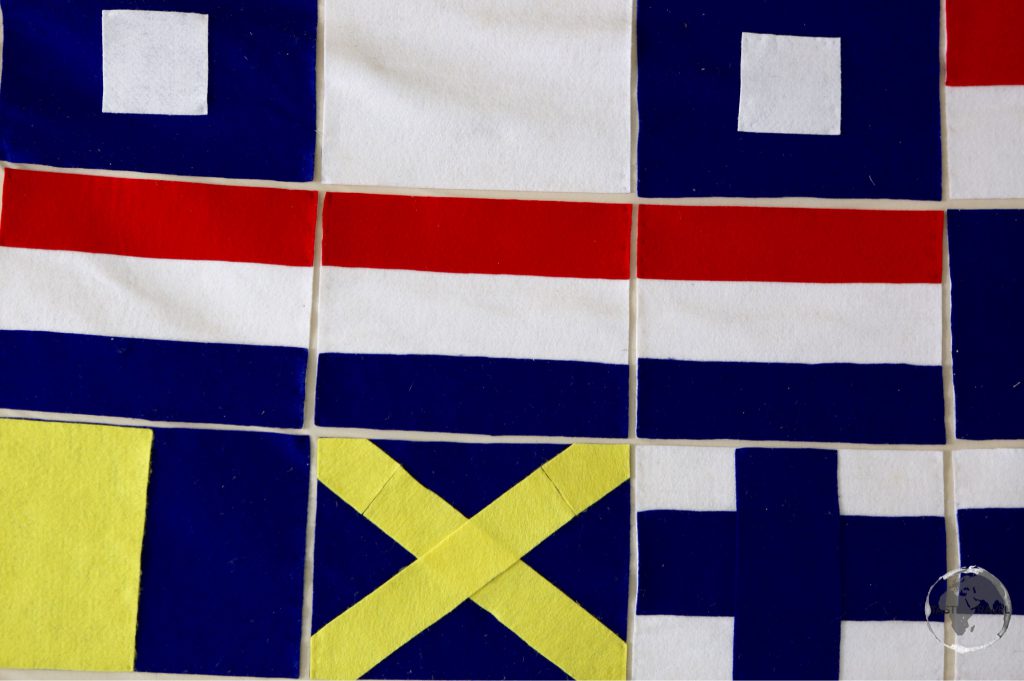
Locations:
(398, 312)
(891, 483)
(178, 300)
(685, 478)
(989, 478)
(985, 142)
(669, 647)
(791, 323)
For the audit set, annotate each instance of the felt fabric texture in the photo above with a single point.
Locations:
(90, 112)
(984, 99)
(790, 334)
(223, 555)
(167, 550)
(456, 552)
(982, 43)
(166, 301)
(691, 67)
(74, 500)
(801, 524)
(786, 504)
(156, 62)
(985, 137)
(790, 85)
(497, 94)
(990, 516)
(987, 296)
(533, 336)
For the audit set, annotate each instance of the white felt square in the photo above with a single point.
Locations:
(155, 62)
(989, 478)
(526, 95)
(668, 647)
(891, 483)
(890, 650)
(790, 84)
(985, 142)
(685, 478)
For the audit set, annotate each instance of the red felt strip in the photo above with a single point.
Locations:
(157, 219)
(480, 236)
(790, 245)
(984, 42)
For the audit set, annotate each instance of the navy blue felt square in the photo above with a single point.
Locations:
(261, 95)
(689, 87)
(223, 554)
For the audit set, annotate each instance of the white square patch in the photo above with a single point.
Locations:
(790, 85)
(155, 62)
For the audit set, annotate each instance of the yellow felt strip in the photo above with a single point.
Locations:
(553, 624)
(586, 473)
(424, 592)
(73, 511)
(355, 470)
(413, 515)
(478, 552)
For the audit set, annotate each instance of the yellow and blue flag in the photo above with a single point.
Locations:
(161, 550)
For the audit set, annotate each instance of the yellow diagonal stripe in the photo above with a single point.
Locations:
(553, 624)
(477, 559)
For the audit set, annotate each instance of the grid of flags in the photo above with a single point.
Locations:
(171, 301)
(735, 98)
(210, 306)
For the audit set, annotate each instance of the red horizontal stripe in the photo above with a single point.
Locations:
(790, 245)
(480, 236)
(984, 45)
(157, 219)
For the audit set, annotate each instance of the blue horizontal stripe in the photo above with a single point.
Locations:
(686, 562)
(152, 379)
(866, 403)
(888, 564)
(472, 395)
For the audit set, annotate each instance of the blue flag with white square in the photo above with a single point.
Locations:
(789, 98)
(187, 87)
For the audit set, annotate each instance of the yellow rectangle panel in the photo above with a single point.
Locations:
(73, 512)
